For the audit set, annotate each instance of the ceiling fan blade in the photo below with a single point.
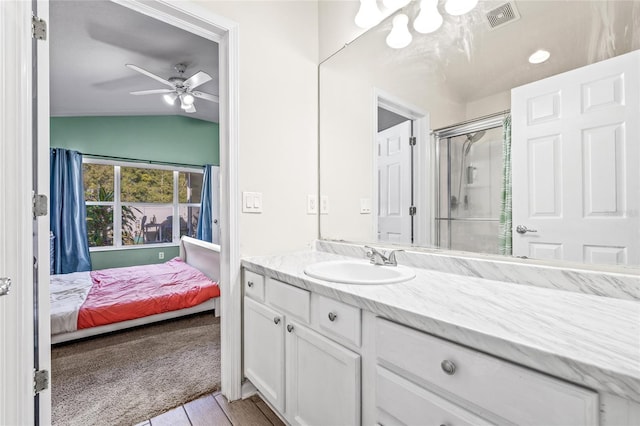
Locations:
(151, 92)
(197, 79)
(206, 96)
(191, 109)
(149, 74)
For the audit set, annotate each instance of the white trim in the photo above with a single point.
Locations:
(198, 20)
(423, 192)
(16, 215)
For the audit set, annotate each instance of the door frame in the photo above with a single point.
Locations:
(203, 22)
(422, 162)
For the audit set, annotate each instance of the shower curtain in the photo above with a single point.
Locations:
(505, 231)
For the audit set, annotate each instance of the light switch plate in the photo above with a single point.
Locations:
(312, 204)
(252, 202)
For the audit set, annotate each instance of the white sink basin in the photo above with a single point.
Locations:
(358, 272)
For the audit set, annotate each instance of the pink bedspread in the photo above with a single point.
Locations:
(121, 294)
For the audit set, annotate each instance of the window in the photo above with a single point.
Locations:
(130, 205)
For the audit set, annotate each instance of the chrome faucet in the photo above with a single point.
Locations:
(378, 258)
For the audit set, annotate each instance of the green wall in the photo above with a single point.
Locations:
(171, 139)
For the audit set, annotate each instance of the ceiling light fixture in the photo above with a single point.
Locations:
(368, 15)
(170, 98)
(459, 7)
(399, 36)
(539, 56)
(187, 98)
(429, 19)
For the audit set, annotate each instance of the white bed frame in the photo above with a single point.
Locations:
(201, 255)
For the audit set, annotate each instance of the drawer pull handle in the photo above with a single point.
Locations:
(289, 328)
(276, 320)
(332, 316)
(448, 367)
(250, 283)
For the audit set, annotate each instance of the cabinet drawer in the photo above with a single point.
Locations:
(254, 285)
(293, 300)
(514, 393)
(400, 402)
(338, 318)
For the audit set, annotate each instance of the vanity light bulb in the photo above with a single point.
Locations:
(399, 36)
(369, 15)
(459, 7)
(395, 4)
(429, 19)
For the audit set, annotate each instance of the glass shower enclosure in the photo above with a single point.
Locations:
(469, 173)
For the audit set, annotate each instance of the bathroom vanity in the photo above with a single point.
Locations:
(441, 348)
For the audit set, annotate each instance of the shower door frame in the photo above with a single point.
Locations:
(486, 122)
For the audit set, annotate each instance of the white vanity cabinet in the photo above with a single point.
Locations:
(455, 385)
(308, 377)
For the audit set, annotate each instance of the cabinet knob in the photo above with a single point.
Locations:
(276, 320)
(290, 328)
(250, 283)
(448, 367)
(332, 316)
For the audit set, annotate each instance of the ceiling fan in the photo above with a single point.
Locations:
(180, 87)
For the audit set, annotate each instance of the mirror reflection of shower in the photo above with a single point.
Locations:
(470, 170)
(469, 184)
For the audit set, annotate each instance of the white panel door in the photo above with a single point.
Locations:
(322, 380)
(576, 151)
(16, 216)
(264, 351)
(394, 183)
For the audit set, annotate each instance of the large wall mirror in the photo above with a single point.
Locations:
(457, 141)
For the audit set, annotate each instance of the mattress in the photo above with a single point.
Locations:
(91, 299)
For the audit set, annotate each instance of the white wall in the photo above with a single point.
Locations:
(278, 119)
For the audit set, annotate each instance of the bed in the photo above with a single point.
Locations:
(85, 304)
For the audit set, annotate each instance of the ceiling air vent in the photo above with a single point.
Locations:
(502, 15)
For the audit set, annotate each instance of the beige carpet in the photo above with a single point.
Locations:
(130, 376)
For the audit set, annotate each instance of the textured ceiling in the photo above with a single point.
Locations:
(91, 41)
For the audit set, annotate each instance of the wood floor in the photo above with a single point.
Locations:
(215, 410)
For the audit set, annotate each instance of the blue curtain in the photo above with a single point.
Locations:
(205, 231)
(68, 216)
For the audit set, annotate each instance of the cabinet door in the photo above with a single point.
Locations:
(264, 351)
(322, 378)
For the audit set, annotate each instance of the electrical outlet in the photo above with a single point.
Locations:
(160, 255)
(324, 204)
(365, 206)
(312, 204)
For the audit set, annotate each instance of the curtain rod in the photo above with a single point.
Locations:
(134, 160)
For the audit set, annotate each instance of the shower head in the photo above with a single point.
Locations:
(476, 136)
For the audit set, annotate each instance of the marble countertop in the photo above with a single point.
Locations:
(589, 340)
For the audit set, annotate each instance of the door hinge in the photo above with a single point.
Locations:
(412, 211)
(40, 205)
(38, 28)
(412, 140)
(40, 380)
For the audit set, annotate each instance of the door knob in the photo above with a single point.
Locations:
(521, 229)
(5, 286)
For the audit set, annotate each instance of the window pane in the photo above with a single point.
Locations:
(146, 225)
(189, 220)
(98, 182)
(146, 185)
(190, 187)
(100, 226)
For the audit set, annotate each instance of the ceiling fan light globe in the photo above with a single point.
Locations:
(170, 98)
(188, 99)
